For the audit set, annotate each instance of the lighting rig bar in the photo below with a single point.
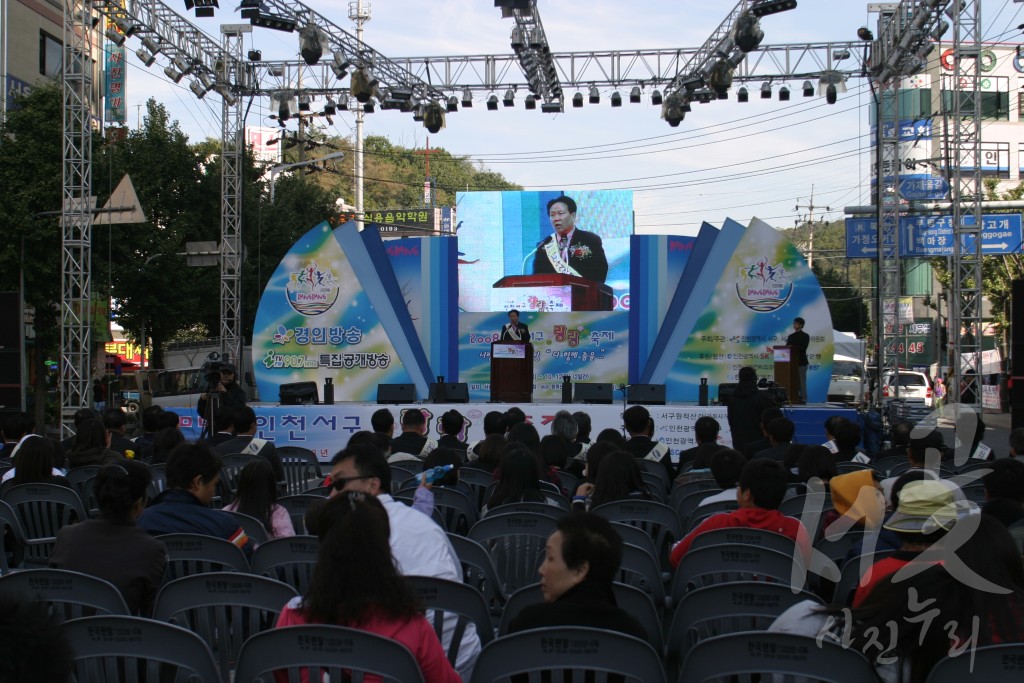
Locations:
(531, 47)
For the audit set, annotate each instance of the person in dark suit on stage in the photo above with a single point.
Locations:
(514, 330)
(800, 340)
(570, 251)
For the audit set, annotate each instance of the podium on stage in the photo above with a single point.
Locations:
(550, 292)
(787, 370)
(511, 372)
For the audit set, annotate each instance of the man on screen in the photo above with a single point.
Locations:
(514, 330)
(570, 251)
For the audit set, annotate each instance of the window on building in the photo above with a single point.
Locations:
(51, 55)
(995, 98)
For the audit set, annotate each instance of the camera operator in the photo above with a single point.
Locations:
(223, 384)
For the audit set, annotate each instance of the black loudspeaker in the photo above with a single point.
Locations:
(1016, 384)
(10, 399)
(299, 393)
(11, 331)
(725, 392)
(450, 392)
(592, 392)
(396, 393)
(646, 394)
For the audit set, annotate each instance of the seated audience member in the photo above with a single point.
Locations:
(33, 645)
(246, 441)
(925, 512)
(761, 490)
(512, 417)
(619, 479)
(847, 436)
(111, 546)
(378, 440)
(166, 441)
(641, 444)
(595, 455)
(257, 497)
(116, 423)
(420, 547)
(900, 440)
(584, 426)
(924, 453)
(554, 451)
(223, 425)
(383, 422)
(985, 610)
(193, 471)
(412, 443)
(566, 428)
(89, 446)
(150, 426)
(444, 456)
(525, 434)
(356, 583)
(80, 416)
(35, 462)
(489, 453)
(452, 423)
(750, 448)
(969, 432)
(744, 409)
(857, 503)
(812, 461)
(780, 435)
(726, 466)
(581, 561)
(613, 436)
(830, 432)
(519, 480)
(705, 433)
(494, 425)
(15, 427)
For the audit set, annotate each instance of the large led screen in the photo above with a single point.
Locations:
(510, 234)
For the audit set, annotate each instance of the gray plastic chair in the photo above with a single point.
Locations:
(478, 480)
(516, 544)
(659, 472)
(657, 519)
(576, 652)
(754, 655)
(849, 577)
(725, 608)
(745, 536)
(289, 560)
(457, 508)
(723, 563)
(641, 570)
(159, 483)
(301, 468)
(297, 507)
(986, 663)
(10, 524)
(136, 650)
(702, 512)
(687, 504)
(252, 527)
(223, 608)
(552, 511)
(78, 478)
(629, 598)
(638, 537)
(343, 654)
(189, 554)
(73, 594)
(42, 510)
(446, 597)
(478, 571)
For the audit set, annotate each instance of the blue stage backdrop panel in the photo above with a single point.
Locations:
(500, 231)
(588, 346)
(748, 307)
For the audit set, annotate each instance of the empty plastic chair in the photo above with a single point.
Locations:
(516, 544)
(446, 597)
(73, 594)
(42, 510)
(289, 560)
(189, 554)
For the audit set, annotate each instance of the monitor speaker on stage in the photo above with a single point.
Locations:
(592, 392)
(646, 394)
(396, 393)
(450, 392)
(299, 393)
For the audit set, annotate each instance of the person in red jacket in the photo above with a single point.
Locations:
(761, 489)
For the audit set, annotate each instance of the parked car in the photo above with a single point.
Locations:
(848, 384)
(913, 385)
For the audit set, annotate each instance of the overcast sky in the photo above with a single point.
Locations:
(726, 159)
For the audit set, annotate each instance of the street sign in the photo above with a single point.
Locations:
(932, 187)
(925, 236)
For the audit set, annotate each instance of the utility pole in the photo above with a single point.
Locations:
(810, 224)
(428, 194)
(359, 12)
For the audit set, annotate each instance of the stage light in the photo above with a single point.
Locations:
(206, 79)
(362, 84)
(492, 103)
(196, 87)
(864, 33)
(255, 55)
(114, 36)
(635, 95)
(940, 28)
(311, 46)
(595, 95)
(173, 74)
(672, 110)
(273, 21)
(182, 65)
(808, 89)
(418, 112)
(225, 92)
(577, 100)
(369, 107)
(145, 56)
(784, 94)
(510, 98)
(304, 102)
(453, 103)
(765, 7)
(467, 98)
(616, 99)
(831, 93)
(926, 50)
(747, 34)
(284, 111)
(517, 39)
(531, 102)
(720, 79)
(656, 98)
(840, 55)
(151, 45)
(203, 8)
(551, 107)
(330, 109)
(434, 118)
(125, 27)
(742, 95)
(340, 65)
(766, 91)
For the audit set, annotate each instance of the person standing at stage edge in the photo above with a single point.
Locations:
(513, 330)
(570, 251)
(800, 340)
